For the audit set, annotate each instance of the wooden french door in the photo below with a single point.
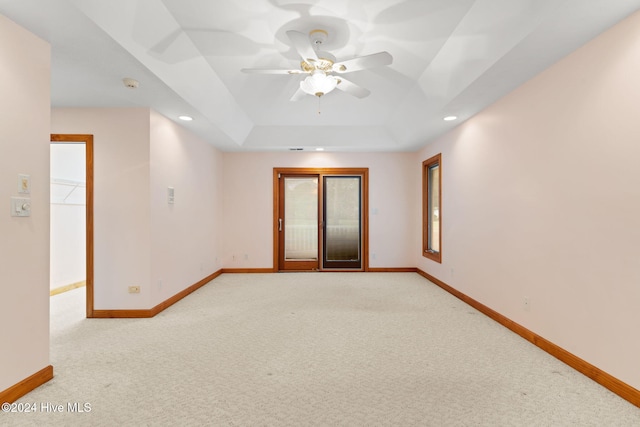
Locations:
(320, 220)
(298, 222)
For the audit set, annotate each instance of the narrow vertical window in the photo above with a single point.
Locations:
(431, 210)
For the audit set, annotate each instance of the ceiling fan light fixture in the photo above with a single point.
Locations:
(318, 84)
(321, 66)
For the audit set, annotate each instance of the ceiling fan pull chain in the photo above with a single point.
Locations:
(319, 112)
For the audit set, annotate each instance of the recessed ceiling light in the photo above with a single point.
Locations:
(450, 118)
(185, 118)
(319, 149)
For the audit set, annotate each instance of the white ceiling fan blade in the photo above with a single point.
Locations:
(363, 62)
(302, 45)
(298, 95)
(270, 71)
(352, 88)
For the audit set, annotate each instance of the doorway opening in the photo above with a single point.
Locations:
(72, 210)
(320, 219)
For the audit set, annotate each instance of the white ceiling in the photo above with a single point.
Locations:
(450, 57)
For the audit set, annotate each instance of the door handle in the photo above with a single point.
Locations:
(279, 224)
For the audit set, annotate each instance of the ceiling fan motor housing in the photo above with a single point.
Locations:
(318, 37)
(325, 60)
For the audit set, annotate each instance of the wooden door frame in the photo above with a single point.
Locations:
(87, 140)
(363, 172)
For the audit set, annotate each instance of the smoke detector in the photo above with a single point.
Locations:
(130, 83)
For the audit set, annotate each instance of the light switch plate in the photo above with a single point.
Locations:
(24, 183)
(20, 206)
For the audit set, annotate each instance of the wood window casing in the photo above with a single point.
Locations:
(432, 233)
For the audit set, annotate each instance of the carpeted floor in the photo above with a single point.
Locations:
(310, 349)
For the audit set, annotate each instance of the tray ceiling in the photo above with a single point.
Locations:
(450, 57)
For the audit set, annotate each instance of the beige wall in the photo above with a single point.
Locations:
(24, 245)
(248, 204)
(186, 240)
(541, 199)
(122, 213)
(138, 238)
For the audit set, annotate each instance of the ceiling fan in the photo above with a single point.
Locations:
(321, 66)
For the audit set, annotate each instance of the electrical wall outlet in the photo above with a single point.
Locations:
(134, 289)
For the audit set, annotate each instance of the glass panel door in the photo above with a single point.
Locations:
(320, 219)
(342, 241)
(299, 224)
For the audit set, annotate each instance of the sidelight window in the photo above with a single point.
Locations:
(432, 208)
